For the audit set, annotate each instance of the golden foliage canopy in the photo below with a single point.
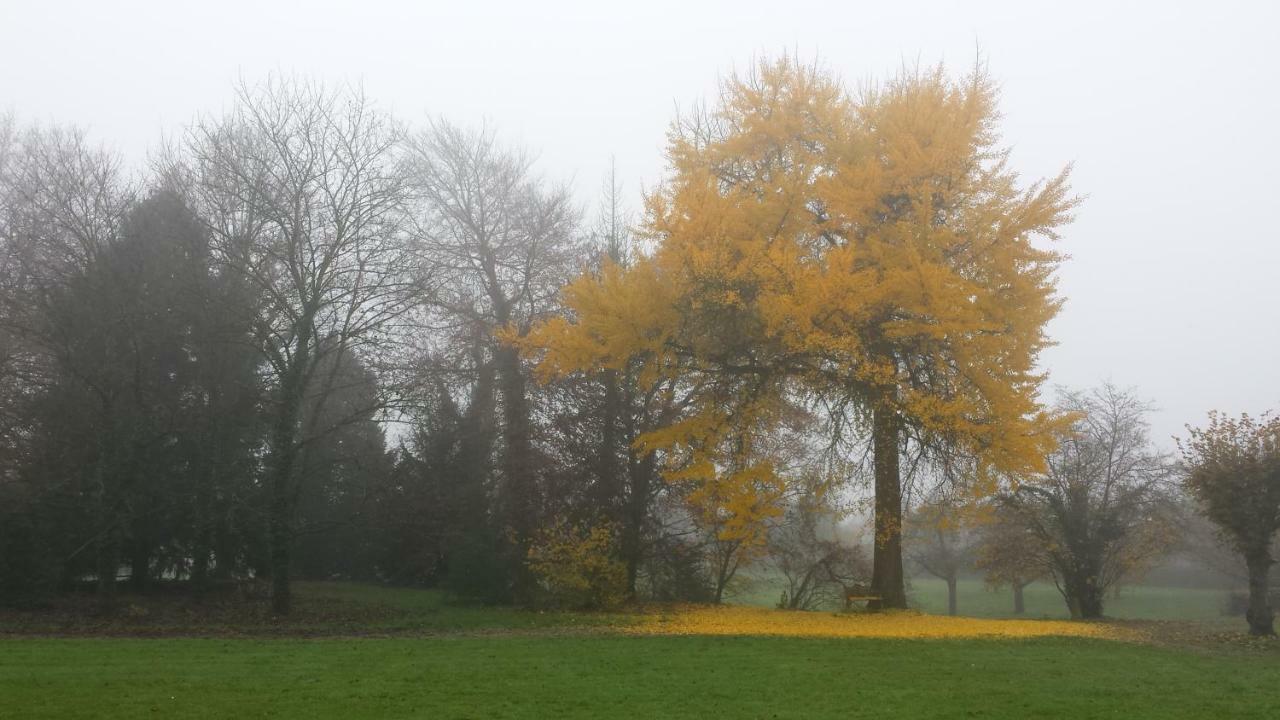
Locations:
(871, 248)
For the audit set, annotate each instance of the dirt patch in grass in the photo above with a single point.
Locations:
(1212, 638)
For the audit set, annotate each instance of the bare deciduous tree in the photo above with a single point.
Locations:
(305, 191)
(67, 304)
(939, 538)
(500, 247)
(1009, 553)
(806, 550)
(1100, 512)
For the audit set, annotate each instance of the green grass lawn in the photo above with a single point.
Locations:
(357, 651)
(615, 676)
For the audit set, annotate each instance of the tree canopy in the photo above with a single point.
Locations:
(867, 253)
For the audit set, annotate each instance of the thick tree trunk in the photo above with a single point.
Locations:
(1019, 606)
(1091, 607)
(202, 547)
(108, 564)
(224, 549)
(279, 532)
(639, 483)
(200, 562)
(107, 545)
(521, 501)
(204, 511)
(139, 565)
(887, 581)
(951, 596)
(281, 495)
(608, 473)
(640, 473)
(280, 535)
(1084, 599)
(1260, 614)
(728, 567)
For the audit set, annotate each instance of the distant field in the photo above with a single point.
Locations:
(1136, 602)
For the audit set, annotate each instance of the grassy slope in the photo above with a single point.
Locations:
(614, 676)
(319, 609)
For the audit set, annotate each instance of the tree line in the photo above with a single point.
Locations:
(313, 341)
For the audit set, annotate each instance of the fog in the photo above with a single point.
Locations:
(1166, 110)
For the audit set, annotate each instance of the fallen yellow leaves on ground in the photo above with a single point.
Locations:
(732, 620)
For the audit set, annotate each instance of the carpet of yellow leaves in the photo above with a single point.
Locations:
(732, 620)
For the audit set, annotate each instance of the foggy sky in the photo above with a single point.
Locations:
(1169, 112)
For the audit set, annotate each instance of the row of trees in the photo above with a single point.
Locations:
(1109, 506)
(314, 341)
(199, 368)
(291, 349)
(1103, 511)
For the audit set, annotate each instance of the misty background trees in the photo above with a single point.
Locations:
(311, 341)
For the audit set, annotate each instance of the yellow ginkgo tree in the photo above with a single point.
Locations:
(871, 251)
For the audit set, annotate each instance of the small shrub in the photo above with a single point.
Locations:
(475, 571)
(676, 571)
(578, 567)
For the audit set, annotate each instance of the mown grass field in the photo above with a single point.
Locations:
(626, 677)
(363, 652)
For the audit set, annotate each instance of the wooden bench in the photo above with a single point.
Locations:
(857, 593)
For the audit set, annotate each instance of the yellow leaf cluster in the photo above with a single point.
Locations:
(577, 566)
(735, 620)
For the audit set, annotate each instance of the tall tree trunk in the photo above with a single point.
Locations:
(107, 545)
(1260, 614)
(1084, 599)
(951, 595)
(202, 546)
(279, 512)
(1091, 606)
(200, 560)
(608, 472)
(108, 564)
(224, 545)
(140, 545)
(639, 483)
(1019, 606)
(279, 532)
(280, 503)
(139, 563)
(728, 567)
(641, 472)
(521, 499)
(207, 452)
(637, 505)
(887, 580)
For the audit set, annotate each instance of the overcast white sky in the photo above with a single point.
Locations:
(1170, 112)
